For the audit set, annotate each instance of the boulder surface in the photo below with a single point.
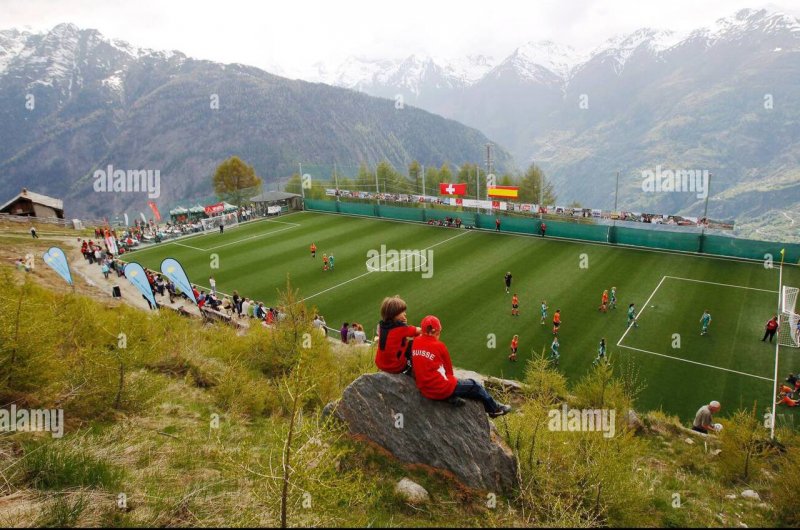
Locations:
(389, 411)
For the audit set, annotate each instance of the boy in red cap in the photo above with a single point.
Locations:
(433, 372)
(395, 337)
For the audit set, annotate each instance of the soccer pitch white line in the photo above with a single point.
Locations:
(370, 272)
(256, 236)
(620, 345)
(721, 284)
(632, 324)
(697, 363)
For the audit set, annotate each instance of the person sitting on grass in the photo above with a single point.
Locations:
(704, 419)
(394, 334)
(433, 372)
(785, 397)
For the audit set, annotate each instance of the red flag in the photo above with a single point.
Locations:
(452, 189)
(459, 202)
(153, 207)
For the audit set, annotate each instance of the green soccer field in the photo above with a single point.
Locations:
(681, 368)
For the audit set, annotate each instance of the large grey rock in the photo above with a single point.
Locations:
(389, 411)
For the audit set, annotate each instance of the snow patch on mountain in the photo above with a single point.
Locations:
(561, 60)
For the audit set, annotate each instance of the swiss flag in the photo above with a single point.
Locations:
(452, 189)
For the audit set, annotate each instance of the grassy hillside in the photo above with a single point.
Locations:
(195, 435)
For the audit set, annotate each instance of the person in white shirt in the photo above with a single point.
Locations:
(246, 307)
(358, 335)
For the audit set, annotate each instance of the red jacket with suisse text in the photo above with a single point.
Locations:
(433, 369)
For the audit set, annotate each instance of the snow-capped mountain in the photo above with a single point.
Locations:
(540, 61)
(412, 75)
(73, 100)
(693, 99)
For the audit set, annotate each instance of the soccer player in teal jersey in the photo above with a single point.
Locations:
(705, 320)
(544, 311)
(330, 261)
(632, 316)
(601, 352)
(613, 303)
(554, 355)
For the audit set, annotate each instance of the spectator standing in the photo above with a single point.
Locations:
(344, 332)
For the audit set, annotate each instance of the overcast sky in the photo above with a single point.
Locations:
(295, 35)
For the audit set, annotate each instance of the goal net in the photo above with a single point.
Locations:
(229, 220)
(789, 332)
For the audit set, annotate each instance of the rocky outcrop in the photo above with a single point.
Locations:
(389, 411)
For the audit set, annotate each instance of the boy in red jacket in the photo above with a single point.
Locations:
(395, 337)
(433, 372)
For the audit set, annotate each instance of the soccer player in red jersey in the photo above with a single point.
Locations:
(604, 302)
(514, 346)
(395, 337)
(433, 372)
(514, 306)
(556, 321)
(313, 250)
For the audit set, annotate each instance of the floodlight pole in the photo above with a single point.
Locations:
(424, 203)
(541, 191)
(705, 212)
(478, 182)
(336, 178)
(377, 187)
(302, 187)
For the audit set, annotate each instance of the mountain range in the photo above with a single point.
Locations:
(73, 101)
(724, 98)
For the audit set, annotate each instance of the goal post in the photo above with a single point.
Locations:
(229, 220)
(788, 332)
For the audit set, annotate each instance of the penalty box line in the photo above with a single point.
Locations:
(647, 303)
(768, 379)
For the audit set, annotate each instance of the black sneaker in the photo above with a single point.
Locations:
(457, 401)
(502, 411)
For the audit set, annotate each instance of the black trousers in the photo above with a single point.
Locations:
(770, 334)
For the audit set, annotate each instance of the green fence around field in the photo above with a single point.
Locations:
(710, 244)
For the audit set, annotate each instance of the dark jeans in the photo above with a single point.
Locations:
(769, 334)
(471, 389)
(699, 429)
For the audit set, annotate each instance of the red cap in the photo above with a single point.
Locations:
(431, 321)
